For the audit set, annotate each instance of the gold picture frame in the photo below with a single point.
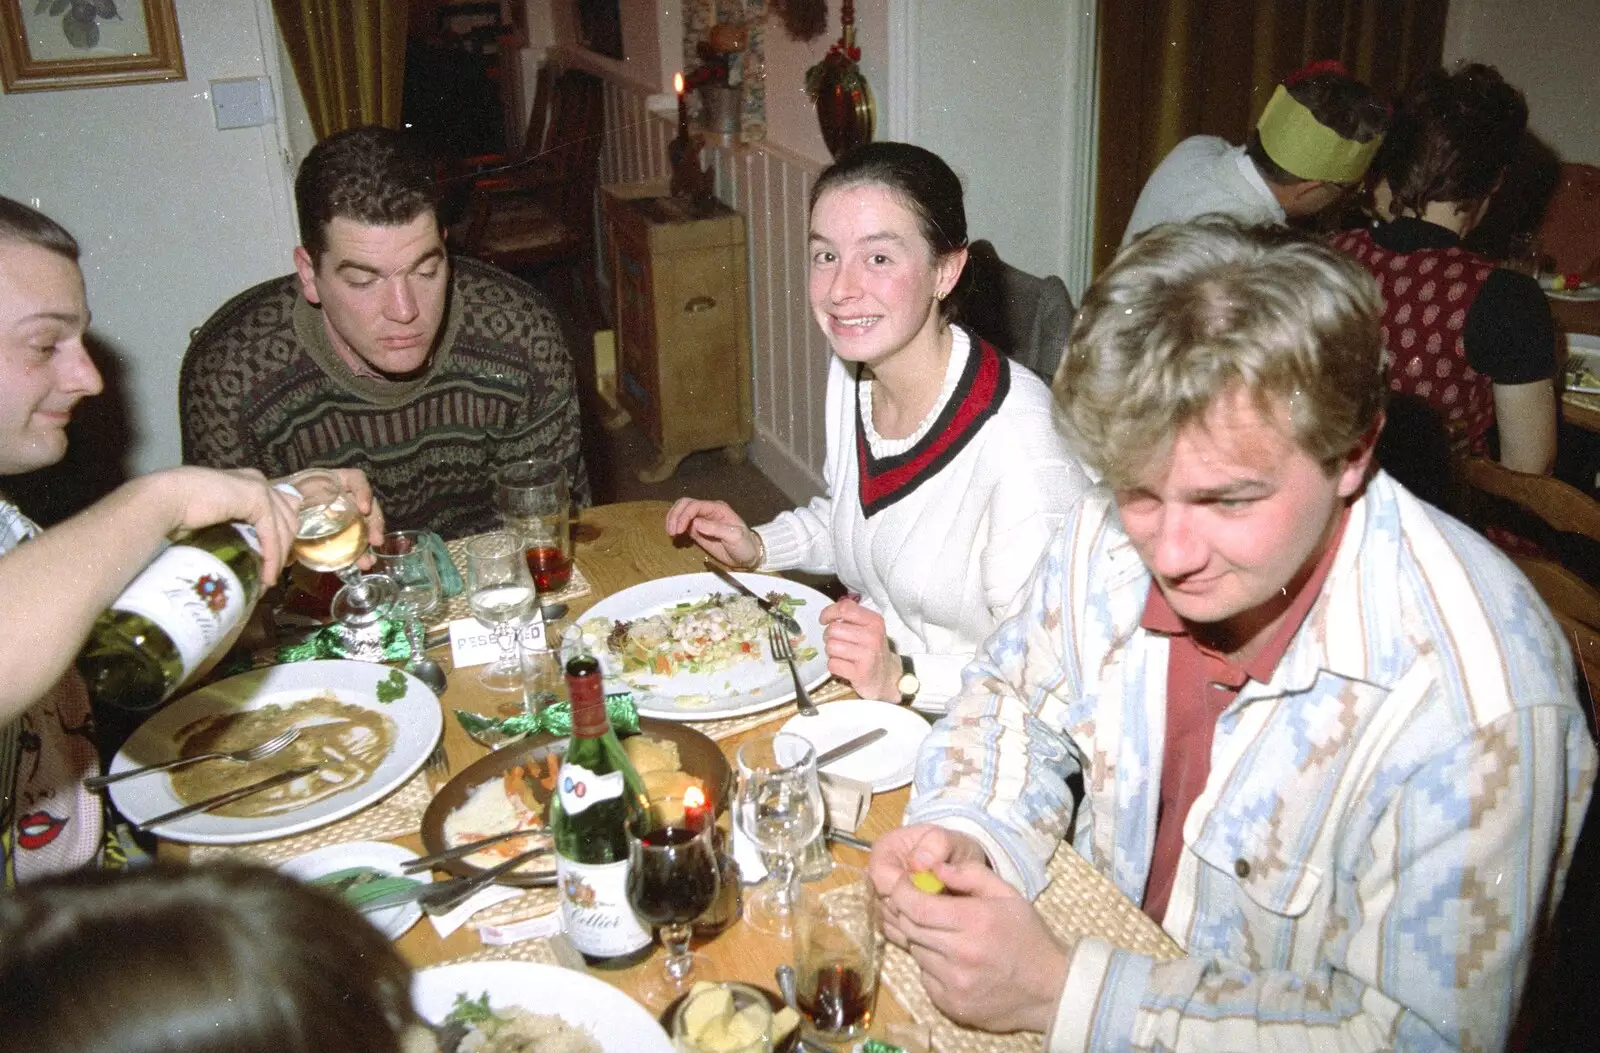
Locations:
(46, 45)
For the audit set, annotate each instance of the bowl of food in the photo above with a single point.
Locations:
(510, 790)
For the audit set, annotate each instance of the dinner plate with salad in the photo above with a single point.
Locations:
(1582, 371)
(690, 648)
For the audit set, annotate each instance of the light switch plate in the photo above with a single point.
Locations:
(242, 102)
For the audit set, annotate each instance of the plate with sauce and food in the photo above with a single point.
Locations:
(365, 728)
(509, 789)
(690, 648)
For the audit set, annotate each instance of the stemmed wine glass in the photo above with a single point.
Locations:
(780, 809)
(333, 537)
(672, 880)
(403, 556)
(500, 593)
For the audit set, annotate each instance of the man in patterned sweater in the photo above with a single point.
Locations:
(1328, 737)
(382, 353)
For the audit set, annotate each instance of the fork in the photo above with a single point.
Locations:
(249, 753)
(436, 768)
(783, 651)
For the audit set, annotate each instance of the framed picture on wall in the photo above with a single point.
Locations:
(51, 44)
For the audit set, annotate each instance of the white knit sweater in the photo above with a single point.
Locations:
(944, 563)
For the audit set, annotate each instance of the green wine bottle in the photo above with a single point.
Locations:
(178, 610)
(597, 792)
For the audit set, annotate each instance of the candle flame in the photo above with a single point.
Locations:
(694, 797)
(677, 83)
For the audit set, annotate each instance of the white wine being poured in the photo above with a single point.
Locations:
(331, 537)
(178, 611)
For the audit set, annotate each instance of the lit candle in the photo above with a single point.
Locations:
(695, 810)
(683, 106)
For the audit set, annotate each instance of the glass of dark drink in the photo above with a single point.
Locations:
(673, 878)
(838, 946)
(535, 504)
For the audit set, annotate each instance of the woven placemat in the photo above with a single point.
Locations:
(1079, 902)
(537, 951)
(395, 816)
(456, 606)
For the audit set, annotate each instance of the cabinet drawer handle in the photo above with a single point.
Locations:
(698, 304)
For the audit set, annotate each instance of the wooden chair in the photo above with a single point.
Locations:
(1564, 509)
(1559, 507)
(540, 214)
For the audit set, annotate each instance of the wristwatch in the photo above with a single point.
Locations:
(908, 683)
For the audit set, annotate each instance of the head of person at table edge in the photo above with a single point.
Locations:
(1225, 382)
(43, 317)
(1316, 137)
(372, 252)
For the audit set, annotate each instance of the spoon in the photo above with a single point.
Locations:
(424, 668)
(430, 673)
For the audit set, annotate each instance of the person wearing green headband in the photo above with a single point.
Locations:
(1311, 147)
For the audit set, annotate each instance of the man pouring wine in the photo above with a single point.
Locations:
(55, 583)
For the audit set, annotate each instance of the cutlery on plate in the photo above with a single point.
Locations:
(844, 749)
(411, 866)
(782, 651)
(357, 885)
(777, 615)
(220, 799)
(441, 896)
(839, 837)
(257, 752)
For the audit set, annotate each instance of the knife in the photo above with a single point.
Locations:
(790, 626)
(226, 798)
(411, 866)
(844, 749)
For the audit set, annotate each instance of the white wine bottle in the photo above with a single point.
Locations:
(597, 792)
(170, 618)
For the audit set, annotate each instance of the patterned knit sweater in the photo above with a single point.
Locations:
(262, 387)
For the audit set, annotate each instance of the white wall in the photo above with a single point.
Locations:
(1548, 48)
(174, 216)
(1008, 102)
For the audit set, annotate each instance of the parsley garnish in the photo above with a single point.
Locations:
(392, 688)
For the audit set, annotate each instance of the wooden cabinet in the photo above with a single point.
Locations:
(683, 328)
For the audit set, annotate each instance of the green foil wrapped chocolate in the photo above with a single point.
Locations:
(555, 717)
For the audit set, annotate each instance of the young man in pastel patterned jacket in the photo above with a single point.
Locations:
(1328, 736)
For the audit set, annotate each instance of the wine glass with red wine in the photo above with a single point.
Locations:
(672, 880)
(534, 503)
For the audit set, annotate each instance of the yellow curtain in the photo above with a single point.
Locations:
(1170, 69)
(349, 57)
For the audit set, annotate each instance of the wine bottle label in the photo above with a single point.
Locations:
(594, 908)
(581, 789)
(192, 595)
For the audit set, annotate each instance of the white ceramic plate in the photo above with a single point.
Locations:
(1582, 294)
(886, 764)
(416, 716)
(746, 687)
(1583, 351)
(617, 1022)
(379, 855)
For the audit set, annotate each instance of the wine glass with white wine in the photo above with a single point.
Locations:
(333, 537)
(501, 594)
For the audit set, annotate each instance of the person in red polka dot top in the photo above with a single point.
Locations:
(1470, 347)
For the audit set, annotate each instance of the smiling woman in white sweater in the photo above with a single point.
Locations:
(945, 473)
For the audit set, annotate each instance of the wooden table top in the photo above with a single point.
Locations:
(619, 546)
